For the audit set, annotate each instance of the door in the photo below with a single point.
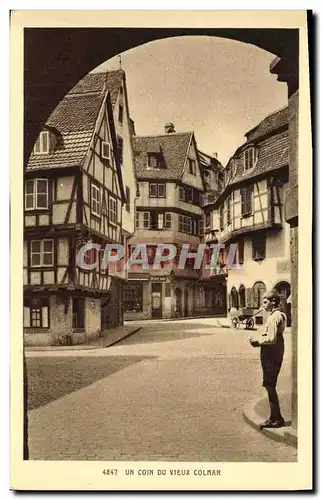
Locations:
(186, 302)
(156, 300)
(78, 306)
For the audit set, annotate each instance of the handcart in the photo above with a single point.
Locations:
(244, 316)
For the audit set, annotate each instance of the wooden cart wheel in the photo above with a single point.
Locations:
(250, 323)
(235, 323)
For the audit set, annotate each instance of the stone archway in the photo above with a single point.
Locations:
(53, 66)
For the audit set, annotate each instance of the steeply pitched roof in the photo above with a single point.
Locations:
(272, 148)
(207, 161)
(98, 82)
(174, 148)
(74, 119)
(271, 123)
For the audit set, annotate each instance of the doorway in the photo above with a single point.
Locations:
(186, 302)
(78, 313)
(156, 300)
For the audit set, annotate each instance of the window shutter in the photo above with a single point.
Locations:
(248, 203)
(160, 221)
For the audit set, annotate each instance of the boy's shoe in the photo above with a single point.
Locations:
(272, 424)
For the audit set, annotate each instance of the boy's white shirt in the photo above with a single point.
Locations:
(274, 325)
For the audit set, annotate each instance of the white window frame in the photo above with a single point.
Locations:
(42, 253)
(40, 142)
(108, 145)
(35, 193)
(167, 220)
(112, 210)
(182, 193)
(156, 190)
(96, 201)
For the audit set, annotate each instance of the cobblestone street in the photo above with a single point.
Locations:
(181, 399)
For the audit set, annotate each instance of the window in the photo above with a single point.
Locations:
(242, 296)
(185, 224)
(42, 253)
(259, 247)
(156, 160)
(137, 220)
(120, 146)
(128, 198)
(133, 296)
(168, 221)
(192, 166)
(228, 210)
(42, 144)
(112, 204)
(106, 150)
(246, 201)
(258, 292)
(241, 251)
(146, 220)
(121, 112)
(38, 317)
(36, 194)
(249, 158)
(207, 220)
(96, 200)
(78, 310)
(190, 195)
(157, 190)
(221, 217)
(160, 221)
(182, 193)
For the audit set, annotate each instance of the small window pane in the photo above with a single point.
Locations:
(41, 201)
(29, 187)
(35, 259)
(42, 186)
(29, 201)
(45, 142)
(48, 246)
(35, 246)
(153, 190)
(48, 259)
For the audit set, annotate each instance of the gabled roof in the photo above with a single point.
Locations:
(207, 161)
(270, 124)
(98, 82)
(75, 118)
(174, 147)
(272, 149)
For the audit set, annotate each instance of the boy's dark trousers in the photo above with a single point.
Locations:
(271, 361)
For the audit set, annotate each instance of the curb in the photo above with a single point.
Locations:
(287, 435)
(81, 347)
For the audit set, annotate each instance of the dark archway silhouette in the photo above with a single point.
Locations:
(55, 59)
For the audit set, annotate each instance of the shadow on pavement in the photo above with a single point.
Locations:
(143, 337)
(50, 378)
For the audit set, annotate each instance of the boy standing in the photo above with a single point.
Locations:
(271, 342)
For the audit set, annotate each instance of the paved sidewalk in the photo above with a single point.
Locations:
(184, 403)
(108, 338)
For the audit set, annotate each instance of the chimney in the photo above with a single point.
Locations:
(169, 128)
(215, 155)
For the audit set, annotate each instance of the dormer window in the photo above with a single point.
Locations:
(155, 160)
(42, 145)
(249, 158)
(106, 150)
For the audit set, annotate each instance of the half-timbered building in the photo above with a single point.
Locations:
(168, 211)
(249, 212)
(211, 290)
(74, 193)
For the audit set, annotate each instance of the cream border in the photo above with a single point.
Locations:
(41, 475)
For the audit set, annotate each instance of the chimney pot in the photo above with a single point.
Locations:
(169, 128)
